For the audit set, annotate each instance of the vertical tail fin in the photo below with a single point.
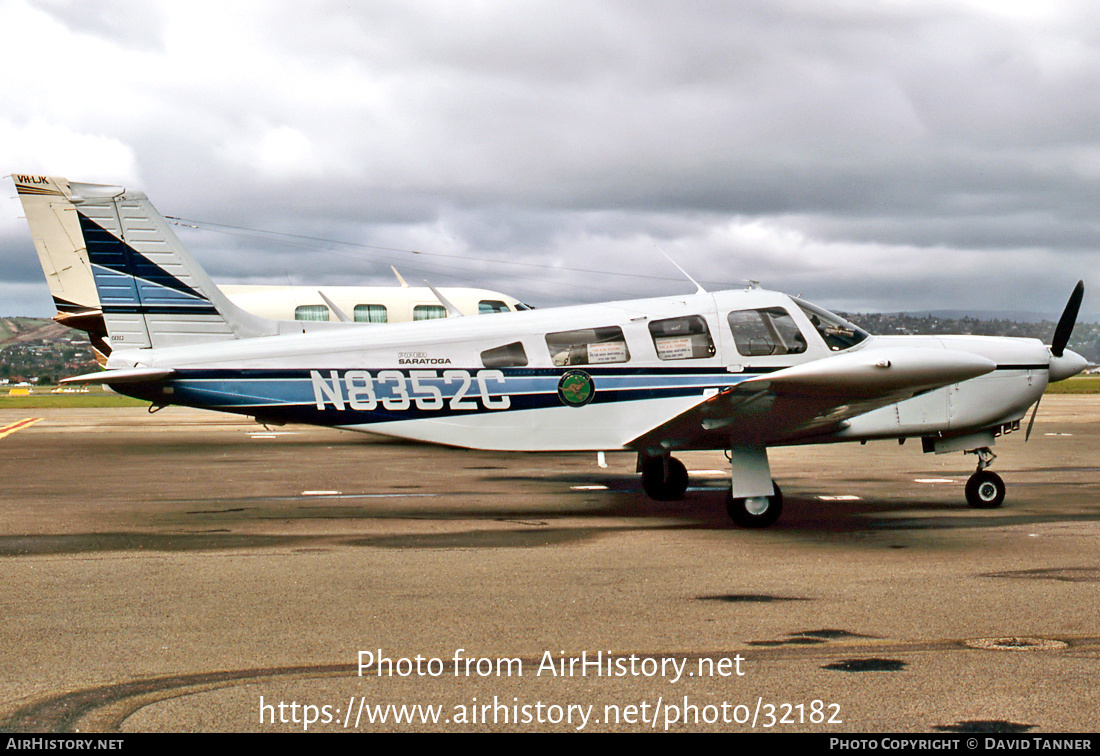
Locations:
(151, 291)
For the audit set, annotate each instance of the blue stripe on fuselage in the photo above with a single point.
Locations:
(333, 397)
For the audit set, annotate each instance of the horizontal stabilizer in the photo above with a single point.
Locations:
(129, 375)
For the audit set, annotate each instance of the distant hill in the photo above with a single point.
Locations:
(19, 330)
(1017, 316)
(40, 350)
(1085, 340)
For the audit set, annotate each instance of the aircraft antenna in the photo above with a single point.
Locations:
(452, 311)
(340, 314)
(698, 289)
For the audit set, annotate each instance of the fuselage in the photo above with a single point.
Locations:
(589, 377)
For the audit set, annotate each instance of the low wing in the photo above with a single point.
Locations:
(810, 399)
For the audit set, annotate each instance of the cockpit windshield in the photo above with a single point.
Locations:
(837, 332)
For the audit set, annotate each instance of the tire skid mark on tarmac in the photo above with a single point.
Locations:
(218, 539)
(105, 708)
(1060, 574)
(65, 712)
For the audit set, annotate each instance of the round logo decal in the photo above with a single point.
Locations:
(576, 388)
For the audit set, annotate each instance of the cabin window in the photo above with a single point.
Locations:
(486, 306)
(429, 312)
(509, 355)
(369, 313)
(588, 346)
(762, 332)
(311, 312)
(686, 338)
(837, 332)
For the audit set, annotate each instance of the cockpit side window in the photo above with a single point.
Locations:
(686, 338)
(487, 306)
(587, 346)
(837, 332)
(767, 331)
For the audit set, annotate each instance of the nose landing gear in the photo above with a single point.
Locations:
(985, 489)
(755, 511)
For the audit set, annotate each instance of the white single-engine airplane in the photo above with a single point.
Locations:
(734, 370)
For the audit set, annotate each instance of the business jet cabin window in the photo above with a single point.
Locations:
(429, 312)
(311, 312)
(588, 346)
(370, 313)
(685, 338)
(757, 333)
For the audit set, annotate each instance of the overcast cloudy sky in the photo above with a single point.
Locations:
(873, 156)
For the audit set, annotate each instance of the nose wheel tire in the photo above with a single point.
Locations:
(985, 490)
(664, 484)
(755, 512)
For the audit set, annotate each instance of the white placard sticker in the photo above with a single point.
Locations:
(674, 347)
(607, 351)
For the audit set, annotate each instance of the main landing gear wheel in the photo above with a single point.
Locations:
(755, 512)
(664, 478)
(985, 490)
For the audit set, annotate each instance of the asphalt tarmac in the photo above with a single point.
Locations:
(188, 571)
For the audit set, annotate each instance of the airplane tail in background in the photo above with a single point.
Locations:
(152, 293)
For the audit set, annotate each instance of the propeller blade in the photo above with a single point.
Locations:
(1069, 317)
(1031, 422)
